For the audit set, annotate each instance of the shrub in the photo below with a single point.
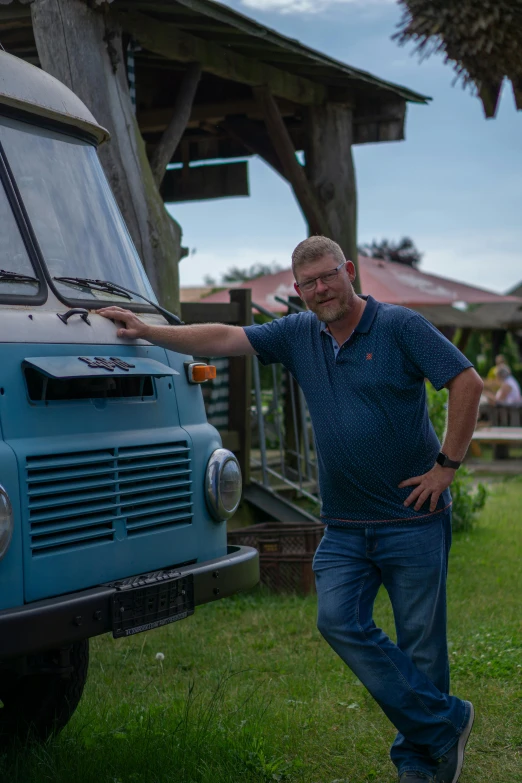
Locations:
(467, 500)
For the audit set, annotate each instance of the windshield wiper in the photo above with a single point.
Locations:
(95, 285)
(119, 290)
(15, 277)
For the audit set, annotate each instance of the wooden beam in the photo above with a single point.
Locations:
(15, 24)
(156, 120)
(178, 122)
(169, 41)
(240, 387)
(379, 121)
(211, 312)
(197, 183)
(254, 139)
(14, 12)
(293, 171)
(331, 171)
(206, 147)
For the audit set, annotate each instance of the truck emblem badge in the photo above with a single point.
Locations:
(101, 363)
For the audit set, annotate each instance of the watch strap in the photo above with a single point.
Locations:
(446, 462)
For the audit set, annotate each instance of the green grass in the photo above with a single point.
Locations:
(248, 691)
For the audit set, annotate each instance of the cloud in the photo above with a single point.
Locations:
(307, 6)
(477, 258)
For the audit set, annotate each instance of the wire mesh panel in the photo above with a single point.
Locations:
(286, 551)
(288, 576)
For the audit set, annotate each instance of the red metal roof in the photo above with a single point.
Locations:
(385, 281)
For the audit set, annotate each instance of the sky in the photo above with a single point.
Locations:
(454, 185)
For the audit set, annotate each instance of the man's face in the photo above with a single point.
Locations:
(332, 300)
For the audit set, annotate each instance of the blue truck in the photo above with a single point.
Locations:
(114, 489)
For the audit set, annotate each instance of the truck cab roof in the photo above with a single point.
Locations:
(27, 88)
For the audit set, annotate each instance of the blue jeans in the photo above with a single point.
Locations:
(410, 679)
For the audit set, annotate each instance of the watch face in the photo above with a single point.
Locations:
(446, 462)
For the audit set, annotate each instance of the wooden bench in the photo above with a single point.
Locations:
(499, 437)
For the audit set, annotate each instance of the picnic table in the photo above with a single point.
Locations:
(499, 437)
(500, 425)
(506, 435)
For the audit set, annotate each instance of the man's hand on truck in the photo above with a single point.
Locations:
(195, 339)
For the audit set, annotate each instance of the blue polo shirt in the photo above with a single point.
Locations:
(367, 402)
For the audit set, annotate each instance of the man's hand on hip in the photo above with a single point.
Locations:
(431, 484)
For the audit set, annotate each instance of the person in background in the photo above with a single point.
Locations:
(492, 372)
(509, 391)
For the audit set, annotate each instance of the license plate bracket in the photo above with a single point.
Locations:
(151, 601)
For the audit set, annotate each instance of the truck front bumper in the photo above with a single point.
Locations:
(54, 622)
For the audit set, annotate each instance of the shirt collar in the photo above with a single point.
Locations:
(369, 313)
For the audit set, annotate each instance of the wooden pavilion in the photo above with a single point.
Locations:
(213, 85)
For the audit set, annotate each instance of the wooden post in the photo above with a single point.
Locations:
(294, 172)
(254, 139)
(331, 171)
(240, 387)
(292, 414)
(177, 125)
(76, 46)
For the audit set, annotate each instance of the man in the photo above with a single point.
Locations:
(384, 484)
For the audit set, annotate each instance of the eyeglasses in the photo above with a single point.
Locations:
(328, 277)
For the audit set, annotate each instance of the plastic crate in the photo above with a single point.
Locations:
(286, 551)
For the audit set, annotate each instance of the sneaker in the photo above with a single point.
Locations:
(415, 777)
(450, 765)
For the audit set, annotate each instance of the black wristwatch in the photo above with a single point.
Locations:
(446, 462)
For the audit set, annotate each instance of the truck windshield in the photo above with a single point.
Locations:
(72, 211)
(13, 256)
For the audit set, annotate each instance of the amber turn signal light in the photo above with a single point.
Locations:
(203, 372)
(199, 373)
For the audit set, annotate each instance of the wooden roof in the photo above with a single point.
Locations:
(219, 24)
(439, 299)
(236, 53)
(225, 118)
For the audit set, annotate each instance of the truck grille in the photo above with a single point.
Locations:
(83, 498)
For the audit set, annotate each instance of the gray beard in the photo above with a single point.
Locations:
(331, 313)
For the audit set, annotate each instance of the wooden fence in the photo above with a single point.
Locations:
(228, 399)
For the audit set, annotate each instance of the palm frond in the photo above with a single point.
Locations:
(481, 38)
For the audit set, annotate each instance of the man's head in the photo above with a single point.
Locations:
(499, 359)
(324, 278)
(503, 372)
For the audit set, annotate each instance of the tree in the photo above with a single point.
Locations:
(401, 252)
(81, 47)
(237, 275)
(481, 37)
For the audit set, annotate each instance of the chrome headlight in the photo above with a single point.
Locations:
(223, 484)
(6, 522)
